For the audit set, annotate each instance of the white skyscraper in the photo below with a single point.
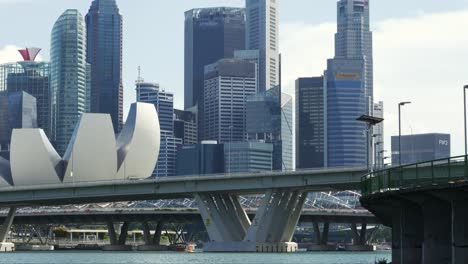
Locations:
(262, 34)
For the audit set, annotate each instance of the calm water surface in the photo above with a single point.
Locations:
(97, 257)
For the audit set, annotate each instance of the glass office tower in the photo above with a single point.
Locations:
(310, 126)
(104, 53)
(33, 78)
(69, 76)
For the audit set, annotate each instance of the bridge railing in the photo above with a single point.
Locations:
(423, 174)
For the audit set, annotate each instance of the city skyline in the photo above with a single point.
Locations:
(444, 77)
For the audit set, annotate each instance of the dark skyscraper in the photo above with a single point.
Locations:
(211, 34)
(104, 53)
(310, 125)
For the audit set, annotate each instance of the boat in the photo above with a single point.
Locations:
(184, 247)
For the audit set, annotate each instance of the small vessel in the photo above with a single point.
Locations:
(184, 247)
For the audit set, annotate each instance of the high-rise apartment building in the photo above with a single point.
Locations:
(164, 104)
(228, 84)
(33, 78)
(104, 53)
(262, 34)
(211, 34)
(310, 123)
(69, 75)
(354, 38)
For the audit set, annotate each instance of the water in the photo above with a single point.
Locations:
(98, 257)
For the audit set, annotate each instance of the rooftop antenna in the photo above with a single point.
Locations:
(138, 81)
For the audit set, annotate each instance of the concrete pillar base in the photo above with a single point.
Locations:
(360, 248)
(25, 247)
(7, 247)
(322, 248)
(281, 247)
(117, 248)
(152, 248)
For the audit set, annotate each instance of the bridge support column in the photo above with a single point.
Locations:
(152, 243)
(272, 229)
(117, 244)
(321, 238)
(459, 232)
(359, 239)
(437, 247)
(5, 229)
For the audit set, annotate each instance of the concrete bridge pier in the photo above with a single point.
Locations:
(437, 246)
(152, 243)
(271, 230)
(459, 231)
(117, 243)
(5, 229)
(407, 233)
(321, 238)
(359, 239)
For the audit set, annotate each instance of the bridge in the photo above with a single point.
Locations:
(426, 204)
(98, 168)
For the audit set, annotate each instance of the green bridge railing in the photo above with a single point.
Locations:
(423, 174)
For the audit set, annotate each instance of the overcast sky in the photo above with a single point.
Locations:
(420, 50)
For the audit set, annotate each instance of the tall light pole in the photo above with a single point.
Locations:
(464, 105)
(371, 121)
(399, 130)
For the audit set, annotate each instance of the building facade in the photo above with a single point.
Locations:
(310, 123)
(211, 34)
(249, 156)
(420, 147)
(287, 131)
(206, 158)
(69, 75)
(104, 53)
(33, 78)
(228, 84)
(17, 110)
(346, 138)
(354, 38)
(262, 34)
(164, 104)
(185, 126)
(263, 122)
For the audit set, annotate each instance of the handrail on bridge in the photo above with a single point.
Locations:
(417, 175)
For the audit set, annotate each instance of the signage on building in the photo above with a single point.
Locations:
(342, 75)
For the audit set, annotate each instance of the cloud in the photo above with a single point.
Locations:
(9, 53)
(423, 59)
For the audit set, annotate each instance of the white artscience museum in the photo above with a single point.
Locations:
(93, 154)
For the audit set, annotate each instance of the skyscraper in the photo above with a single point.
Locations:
(211, 34)
(228, 84)
(287, 133)
(248, 157)
(185, 126)
(164, 104)
(354, 38)
(69, 76)
(33, 78)
(17, 110)
(310, 125)
(346, 138)
(104, 53)
(263, 35)
(378, 131)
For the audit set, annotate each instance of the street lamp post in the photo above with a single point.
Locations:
(371, 121)
(399, 130)
(464, 113)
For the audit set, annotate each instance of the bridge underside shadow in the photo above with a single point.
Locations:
(428, 226)
(271, 230)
